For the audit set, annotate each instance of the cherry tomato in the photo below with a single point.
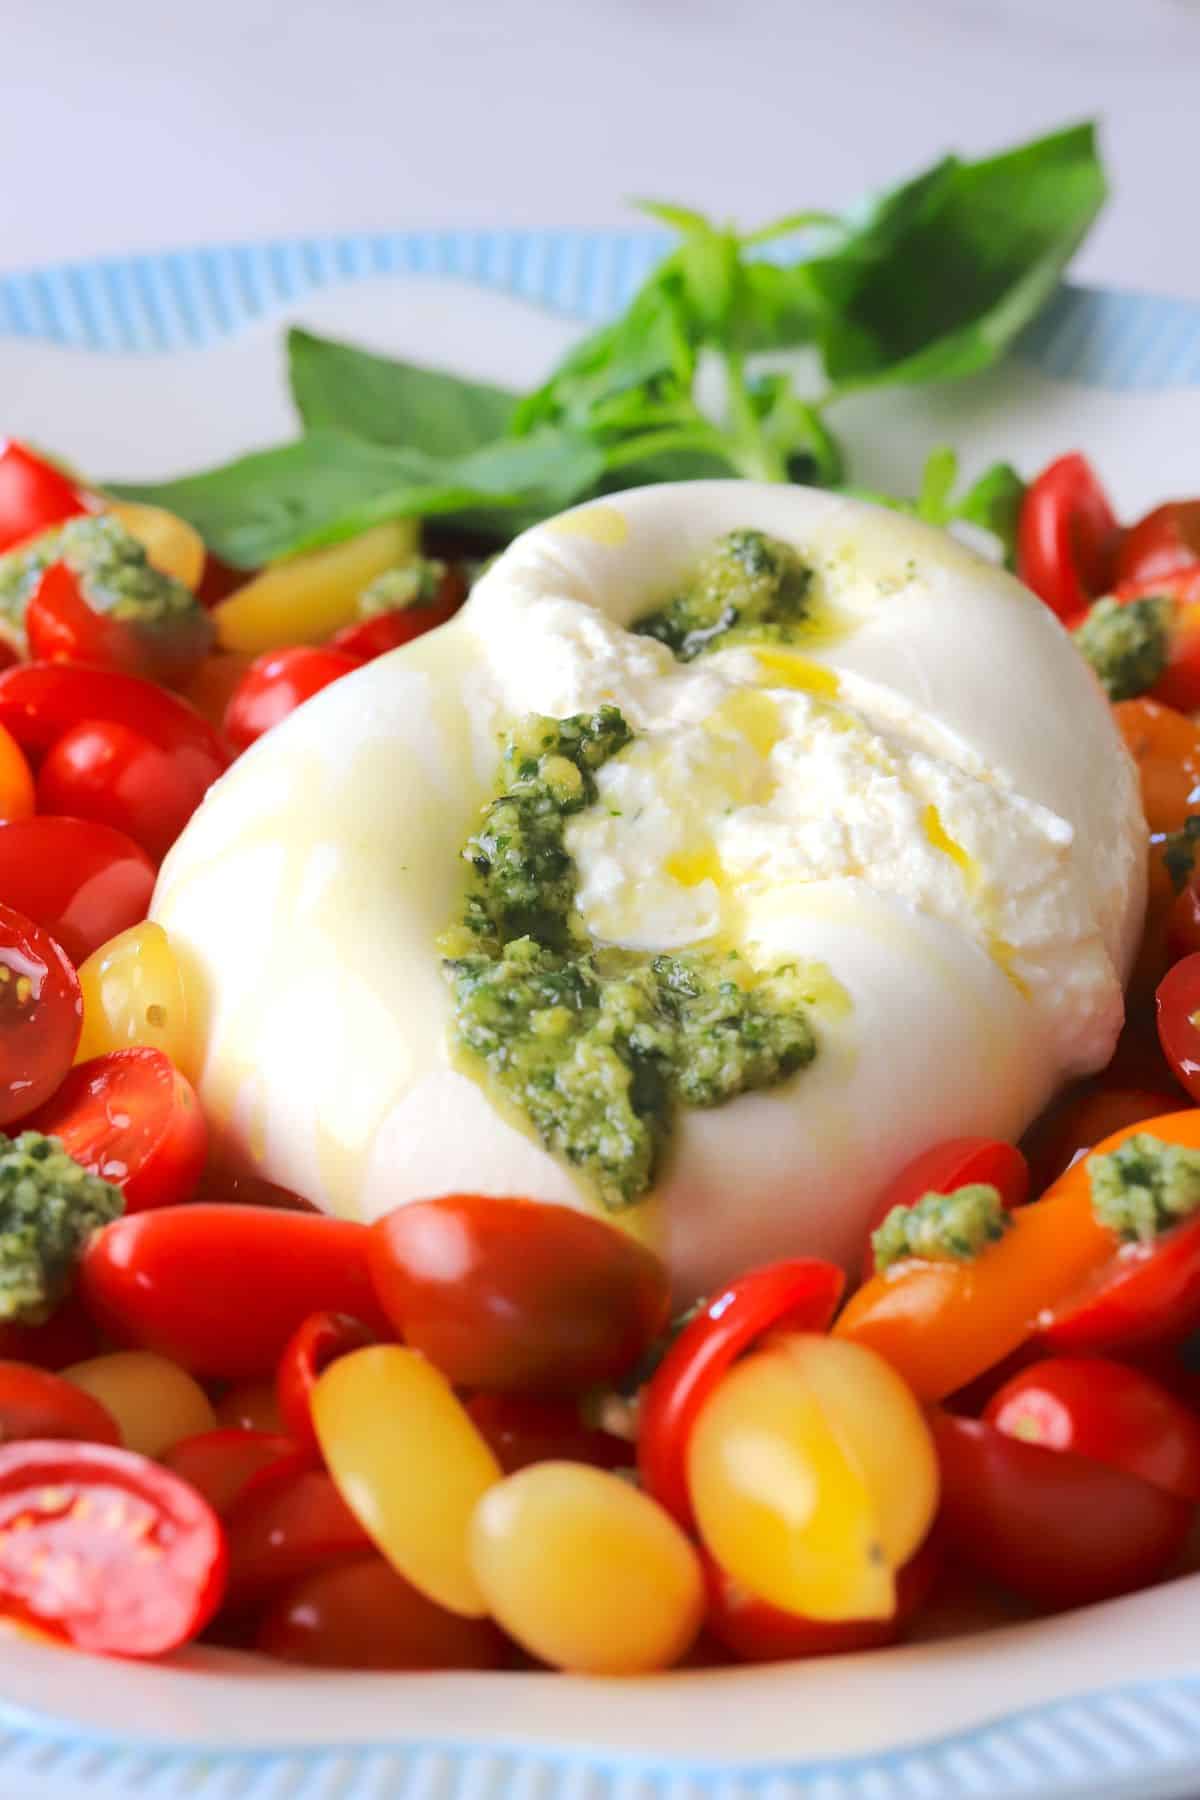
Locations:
(289, 1520)
(521, 1429)
(1178, 1007)
(133, 1119)
(104, 771)
(37, 1404)
(1166, 748)
(368, 638)
(1056, 1527)
(1067, 536)
(1183, 923)
(1107, 1411)
(40, 701)
(513, 1294)
(33, 495)
(1147, 1294)
(150, 1280)
(1166, 540)
(61, 626)
(317, 1342)
(250, 1406)
(41, 1013)
(959, 1162)
(364, 1615)
(221, 1464)
(67, 1336)
(1079, 1122)
(276, 684)
(16, 780)
(785, 1296)
(81, 882)
(107, 1547)
(219, 580)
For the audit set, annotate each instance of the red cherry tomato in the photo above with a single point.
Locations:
(68, 1336)
(366, 1616)
(106, 772)
(40, 701)
(1167, 539)
(222, 1464)
(289, 1521)
(41, 1013)
(368, 638)
(959, 1162)
(512, 1294)
(150, 1280)
(522, 1429)
(80, 881)
(1083, 1119)
(1177, 1004)
(1106, 1411)
(36, 1404)
(784, 1296)
(1067, 537)
(33, 495)
(61, 626)
(132, 1118)
(1147, 1295)
(106, 1547)
(317, 1342)
(1179, 684)
(1056, 1527)
(219, 580)
(276, 684)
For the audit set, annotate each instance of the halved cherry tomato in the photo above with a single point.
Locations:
(959, 1162)
(1107, 1411)
(785, 1296)
(107, 1547)
(41, 1013)
(61, 626)
(36, 1404)
(509, 1294)
(133, 1119)
(276, 684)
(221, 1464)
(366, 1616)
(289, 1520)
(1054, 1526)
(107, 772)
(33, 495)
(1167, 539)
(1178, 1008)
(16, 780)
(317, 1342)
(82, 882)
(368, 638)
(150, 1279)
(1067, 536)
(1078, 1123)
(522, 1429)
(1166, 748)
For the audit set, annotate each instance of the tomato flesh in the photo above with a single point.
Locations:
(41, 1013)
(133, 1119)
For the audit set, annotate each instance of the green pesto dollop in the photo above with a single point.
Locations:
(747, 587)
(1144, 1186)
(49, 1207)
(952, 1227)
(411, 583)
(111, 566)
(1127, 645)
(597, 1046)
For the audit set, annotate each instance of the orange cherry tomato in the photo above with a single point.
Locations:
(959, 1162)
(1166, 748)
(17, 796)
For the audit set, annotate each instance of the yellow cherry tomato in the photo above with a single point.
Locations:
(172, 545)
(813, 1477)
(306, 598)
(17, 797)
(586, 1572)
(409, 1463)
(154, 1402)
(134, 993)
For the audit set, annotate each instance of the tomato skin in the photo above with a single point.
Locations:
(80, 1564)
(1067, 536)
(36, 1404)
(132, 1118)
(276, 684)
(289, 1520)
(956, 1163)
(149, 1281)
(81, 882)
(1053, 1526)
(512, 1294)
(1078, 1123)
(1147, 1295)
(221, 1464)
(1183, 924)
(61, 626)
(364, 1615)
(41, 1013)
(33, 495)
(368, 638)
(68, 1336)
(523, 1429)
(105, 772)
(317, 1342)
(39, 701)
(1165, 745)
(1166, 540)
(17, 795)
(1177, 1004)
(785, 1296)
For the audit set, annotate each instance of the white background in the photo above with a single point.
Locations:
(138, 124)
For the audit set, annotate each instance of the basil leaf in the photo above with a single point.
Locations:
(994, 504)
(339, 388)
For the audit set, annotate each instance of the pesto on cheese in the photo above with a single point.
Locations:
(597, 1046)
(748, 588)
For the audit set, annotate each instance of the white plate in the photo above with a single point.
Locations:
(151, 366)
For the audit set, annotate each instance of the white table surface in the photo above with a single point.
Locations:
(140, 124)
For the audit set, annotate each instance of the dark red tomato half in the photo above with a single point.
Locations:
(786, 1296)
(1166, 540)
(1177, 1004)
(222, 1464)
(363, 1615)
(958, 1162)
(107, 1547)
(133, 1119)
(33, 495)
(276, 684)
(36, 1404)
(41, 1013)
(317, 1342)
(1067, 536)
(61, 626)
(523, 1429)
(511, 1294)
(81, 881)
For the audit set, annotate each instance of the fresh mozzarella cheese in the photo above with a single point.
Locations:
(930, 808)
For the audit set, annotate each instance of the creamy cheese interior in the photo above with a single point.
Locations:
(928, 801)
